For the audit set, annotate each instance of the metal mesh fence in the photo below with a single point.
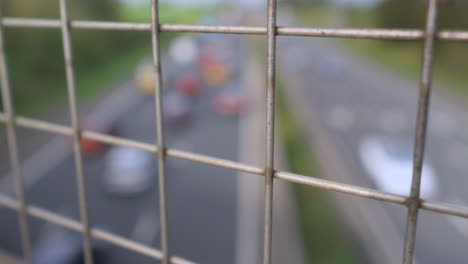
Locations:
(271, 31)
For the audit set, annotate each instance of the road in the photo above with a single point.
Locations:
(201, 198)
(353, 99)
(199, 223)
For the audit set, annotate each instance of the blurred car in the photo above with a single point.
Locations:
(213, 71)
(231, 103)
(177, 109)
(92, 147)
(66, 247)
(188, 84)
(390, 164)
(184, 51)
(129, 171)
(145, 80)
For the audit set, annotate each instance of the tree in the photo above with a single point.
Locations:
(35, 56)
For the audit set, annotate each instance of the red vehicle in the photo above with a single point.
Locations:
(188, 85)
(214, 72)
(92, 147)
(231, 103)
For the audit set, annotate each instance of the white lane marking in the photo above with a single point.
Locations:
(116, 104)
(341, 118)
(456, 154)
(57, 149)
(41, 162)
(442, 123)
(392, 120)
(146, 227)
(459, 223)
(249, 189)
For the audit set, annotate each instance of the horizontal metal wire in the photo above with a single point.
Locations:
(218, 162)
(445, 208)
(341, 187)
(119, 141)
(72, 224)
(271, 31)
(113, 140)
(359, 33)
(433, 206)
(214, 161)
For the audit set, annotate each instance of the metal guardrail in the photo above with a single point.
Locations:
(413, 202)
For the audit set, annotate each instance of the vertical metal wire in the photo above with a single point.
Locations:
(13, 150)
(420, 134)
(81, 181)
(159, 129)
(270, 130)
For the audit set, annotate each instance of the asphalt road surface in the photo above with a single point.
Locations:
(355, 99)
(201, 198)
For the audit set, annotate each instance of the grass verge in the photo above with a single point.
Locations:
(325, 242)
(168, 13)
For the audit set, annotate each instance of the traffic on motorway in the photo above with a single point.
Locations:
(203, 97)
(368, 115)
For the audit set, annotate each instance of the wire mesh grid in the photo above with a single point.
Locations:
(413, 202)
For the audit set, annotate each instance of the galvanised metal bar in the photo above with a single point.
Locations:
(270, 130)
(108, 139)
(287, 176)
(159, 129)
(195, 157)
(341, 187)
(80, 178)
(13, 150)
(118, 141)
(228, 164)
(420, 133)
(42, 125)
(444, 208)
(359, 33)
(71, 224)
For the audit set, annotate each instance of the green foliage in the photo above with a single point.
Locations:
(325, 241)
(451, 58)
(35, 56)
(412, 14)
(168, 14)
(401, 14)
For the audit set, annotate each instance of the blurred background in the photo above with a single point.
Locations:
(346, 111)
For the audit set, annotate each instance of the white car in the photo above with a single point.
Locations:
(184, 50)
(390, 165)
(129, 171)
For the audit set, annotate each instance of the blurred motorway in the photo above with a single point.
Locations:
(352, 99)
(201, 198)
